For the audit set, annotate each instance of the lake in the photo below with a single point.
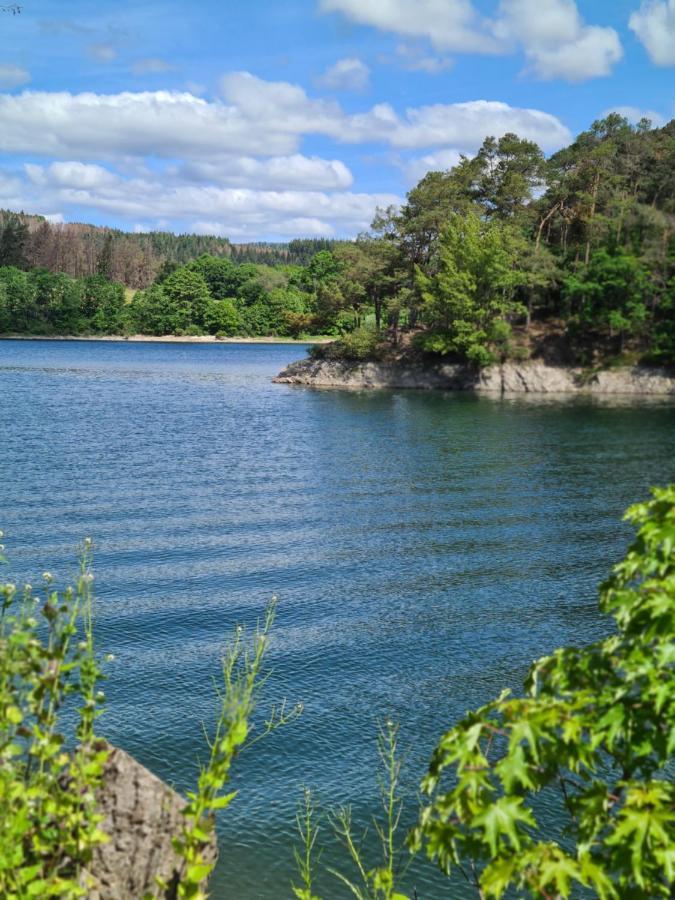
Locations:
(425, 548)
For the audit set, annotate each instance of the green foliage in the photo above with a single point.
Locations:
(49, 821)
(610, 295)
(362, 343)
(40, 302)
(221, 317)
(13, 239)
(596, 726)
(306, 858)
(49, 825)
(472, 290)
(376, 881)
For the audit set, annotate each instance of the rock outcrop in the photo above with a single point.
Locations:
(509, 378)
(141, 816)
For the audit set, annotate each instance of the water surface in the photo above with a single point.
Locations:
(425, 547)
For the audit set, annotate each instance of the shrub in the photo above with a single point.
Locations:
(49, 823)
(360, 344)
(598, 726)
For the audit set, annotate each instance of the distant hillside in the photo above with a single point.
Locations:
(133, 259)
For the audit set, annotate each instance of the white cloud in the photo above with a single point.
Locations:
(108, 126)
(654, 26)
(634, 114)
(448, 24)
(278, 172)
(349, 74)
(12, 76)
(55, 218)
(415, 169)
(261, 118)
(152, 66)
(279, 106)
(556, 41)
(461, 125)
(70, 174)
(243, 211)
(102, 52)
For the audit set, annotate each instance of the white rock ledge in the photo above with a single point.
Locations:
(509, 378)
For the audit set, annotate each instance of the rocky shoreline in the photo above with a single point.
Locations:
(533, 377)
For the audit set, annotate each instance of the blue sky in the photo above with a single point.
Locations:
(268, 120)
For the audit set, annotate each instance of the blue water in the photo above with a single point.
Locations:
(425, 547)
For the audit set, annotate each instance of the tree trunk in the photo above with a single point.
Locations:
(596, 184)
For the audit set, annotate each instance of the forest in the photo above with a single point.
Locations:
(507, 255)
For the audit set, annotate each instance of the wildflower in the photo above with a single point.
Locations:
(28, 588)
(110, 657)
(47, 576)
(31, 622)
(82, 645)
(100, 696)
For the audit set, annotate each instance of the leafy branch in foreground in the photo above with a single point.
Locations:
(598, 726)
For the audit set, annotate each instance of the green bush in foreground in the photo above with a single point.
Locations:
(49, 823)
(596, 724)
(48, 819)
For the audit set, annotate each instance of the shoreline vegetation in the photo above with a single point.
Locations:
(509, 256)
(167, 338)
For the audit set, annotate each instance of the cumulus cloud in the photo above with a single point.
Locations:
(349, 74)
(461, 125)
(415, 169)
(12, 76)
(296, 171)
(654, 26)
(260, 118)
(556, 41)
(70, 174)
(240, 211)
(152, 66)
(448, 24)
(107, 126)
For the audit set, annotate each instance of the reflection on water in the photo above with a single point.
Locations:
(425, 548)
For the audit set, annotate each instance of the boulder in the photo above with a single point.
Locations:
(141, 816)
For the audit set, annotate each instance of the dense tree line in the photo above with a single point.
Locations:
(209, 295)
(133, 259)
(508, 254)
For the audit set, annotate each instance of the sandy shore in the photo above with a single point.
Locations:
(165, 339)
